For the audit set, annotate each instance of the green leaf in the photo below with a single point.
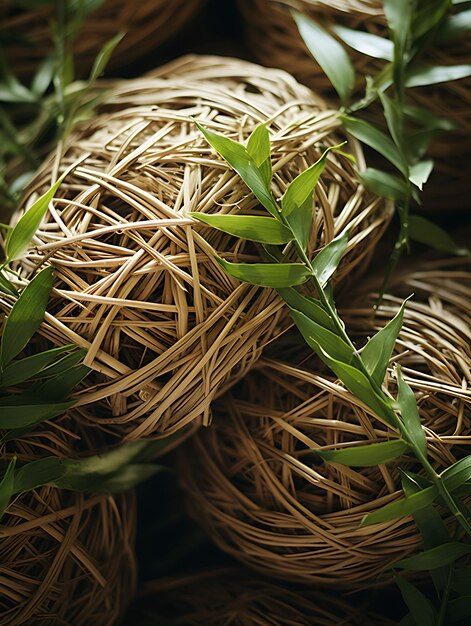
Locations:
(267, 274)
(407, 405)
(258, 148)
(384, 185)
(419, 173)
(366, 43)
(300, 221)
(366, 456)
(434, 558)
(328, 259)
(302, 186)
(425, 231)
(402, 507)
(311, 307)
(397, 14)
(7, 287)
(24, 369)
(62, 385)
(329, 54)
(25, 316)
(24, 415)
(252, 227)
(376, 139)
(7, 486)
(425, 118)
(239, 159)
(434, 74)
(453, 28)
(126, 478)
(43, 77)
(64, 364)
(458, 474)
(428, 16)
(420, 607)
(19, 237)
(377, 352)
(103, 57)
(459, 610)
(315, 335)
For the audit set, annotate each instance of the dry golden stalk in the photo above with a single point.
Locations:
(137, 283)
(264, 495)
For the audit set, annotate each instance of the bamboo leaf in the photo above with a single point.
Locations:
(19, 237)
(311, 307)
(376, 139)
(437, 557)
(366, 43)
(366, 456)
(252, 227)
(402, 507)
(239, 159)
(62, 385)
(453, 28)
(458, 474)
(424, 231)
(126, 478)
(7, 486)
(103, 57)
(23, 415)
(377, 352)
(434, 74)
(258, 148)
(24, 369)
(329, 54)
(300, 221)
(419, 172)
(25, 316)
(7, 287)
(328, 259)
(407, 406)
(267, 274)
(384, 184)
(420, 607)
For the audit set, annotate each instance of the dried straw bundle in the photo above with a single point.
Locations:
(234, 597)
(147, 24)
(136, 280)
(275, 41)
(267, 499)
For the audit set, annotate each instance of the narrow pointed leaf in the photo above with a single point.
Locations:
(315, 334)
(458, 474)
(23, 369)
(126, 478)
(267, 274)
(419, 173)
(366, 43)
(402, 507)
(366, 456)
(377, 352)
(384, 184)
(7, 486)
(434, 74)
(258, 148)
(25, 316)
(434, 558)
(328, 259)
(311, 307)
(453, 28)
(376, 139)
(19, 237)
(7, 287)
(103, 57)
(300, 221)
(300, 189)
(22, 416)
(329, 54)
(407, 405)
(424, 231)
(420, 607)
(239, 159)
(62, 385)
(64, 364)
(252, 227)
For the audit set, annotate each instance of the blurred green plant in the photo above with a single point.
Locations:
(283, 237)
(415, 26)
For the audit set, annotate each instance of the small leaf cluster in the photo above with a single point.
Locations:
(46, 110)
(361, 371)
(415, 26)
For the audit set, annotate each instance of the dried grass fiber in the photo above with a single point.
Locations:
(268, 500)
(136, 280)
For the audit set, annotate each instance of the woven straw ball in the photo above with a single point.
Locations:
(147, 24)
(256, 486)
(275, 42)
(235, 597)
(137, 283)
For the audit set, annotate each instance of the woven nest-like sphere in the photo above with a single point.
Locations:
(263, 494)
(67, 558)
(147, 24)
(275, 40)
(235, 597)
(137, 283)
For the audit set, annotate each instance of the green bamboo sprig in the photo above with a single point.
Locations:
(286, 233)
